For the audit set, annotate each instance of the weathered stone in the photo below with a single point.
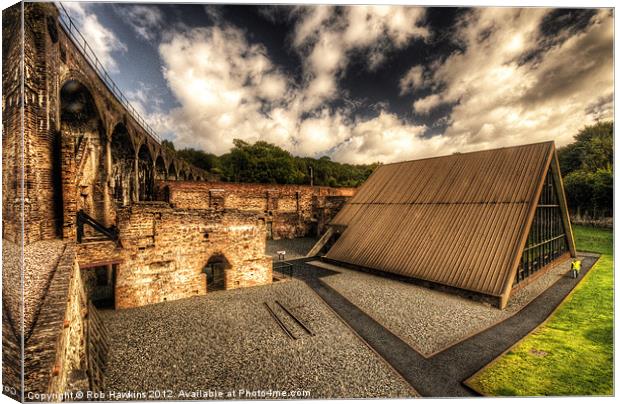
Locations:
(71, 147)
(288, 210)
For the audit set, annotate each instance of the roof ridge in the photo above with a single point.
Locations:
(468, 153)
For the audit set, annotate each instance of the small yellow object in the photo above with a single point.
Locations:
(575, 267)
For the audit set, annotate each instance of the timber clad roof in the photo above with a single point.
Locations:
(456, 220)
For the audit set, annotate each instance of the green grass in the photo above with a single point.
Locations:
(571, 354)
(593, 239)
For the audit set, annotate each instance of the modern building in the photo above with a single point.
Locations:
(482, 224)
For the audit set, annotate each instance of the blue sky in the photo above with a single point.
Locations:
(359, 84)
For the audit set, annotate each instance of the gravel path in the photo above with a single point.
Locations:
(426, 319)
(227, 341)
(40, 261)
(295, 248)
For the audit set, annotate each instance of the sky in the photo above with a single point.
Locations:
(359, 84)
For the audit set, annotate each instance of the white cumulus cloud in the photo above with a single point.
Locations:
(102, 41)
(500, 99)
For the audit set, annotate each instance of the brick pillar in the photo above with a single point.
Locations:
(136, 180)
(106, 183)
(69, 189)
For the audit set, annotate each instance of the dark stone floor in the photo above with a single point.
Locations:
(295, 248)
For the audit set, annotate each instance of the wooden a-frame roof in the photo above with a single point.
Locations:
(460, 220)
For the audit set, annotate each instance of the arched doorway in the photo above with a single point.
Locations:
(215, 269)
(82, 130)
(145, 174)
(123, 156)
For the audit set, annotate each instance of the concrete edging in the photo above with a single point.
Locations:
(381, 358)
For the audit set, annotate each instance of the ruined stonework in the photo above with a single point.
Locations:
(82, 149)
(56, 358)
(165, 250)
(80, 168)
(288, 210)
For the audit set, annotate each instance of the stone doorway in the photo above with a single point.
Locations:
(99, 284)
(215, 269)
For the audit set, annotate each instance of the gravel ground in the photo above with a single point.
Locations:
(226, 341)
(40, 261)
(428, 320)
(295, 248)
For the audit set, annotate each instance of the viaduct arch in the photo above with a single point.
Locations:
(84, 148)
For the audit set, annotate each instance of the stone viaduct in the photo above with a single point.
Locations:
(97, 213)
(79, 214)
(85, 147)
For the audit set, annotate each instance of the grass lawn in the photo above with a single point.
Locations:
(571, 354)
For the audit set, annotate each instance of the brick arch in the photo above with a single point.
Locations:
(145, 173)
(152, 146)
(161, 169)
(84, 80)
(214, 268)
(181, 169)
(173, 169)
(123, 155)
(81, 141)
(135, 137)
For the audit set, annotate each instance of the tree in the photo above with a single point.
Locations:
(206, 161)
(259, 162)
(593, 149)
(167, 144)
(587, 167)
(268, 163)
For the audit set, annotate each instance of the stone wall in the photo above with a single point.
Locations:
(91, 160)
(55, 355)
(12, 101)
(288, 210)
(164, 251)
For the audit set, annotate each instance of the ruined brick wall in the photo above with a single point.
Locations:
(11, 199)
(288, 210)
(68, 165)
(71, 352)
(11, 123)
(326, 208)
(55, 352)
(165, 250)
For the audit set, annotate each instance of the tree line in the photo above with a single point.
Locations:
(587, 170)
(264, 162)
(586, 166)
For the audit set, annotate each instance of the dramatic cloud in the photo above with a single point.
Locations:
(228, 88)
(510, 82)
(326, 37)
(413, 80)
(146, 21)
(501, 100)
(102, 41)
(386, 138)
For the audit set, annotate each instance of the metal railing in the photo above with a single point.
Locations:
(80, 42)
(83, 218)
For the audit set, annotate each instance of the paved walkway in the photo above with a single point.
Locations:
(442, 375)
